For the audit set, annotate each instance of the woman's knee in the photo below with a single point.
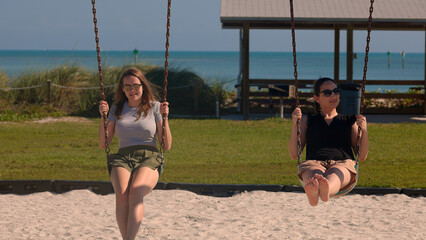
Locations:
(309, 173)
(341, 172)
(121, 197)
(139, 191)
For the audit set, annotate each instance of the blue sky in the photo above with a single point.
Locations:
(129, 24)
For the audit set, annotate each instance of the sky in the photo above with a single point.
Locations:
(141, 24)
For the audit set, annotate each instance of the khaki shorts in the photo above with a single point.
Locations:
(135, 157)
(325, 165)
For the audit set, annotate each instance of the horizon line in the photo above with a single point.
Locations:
(225, 51)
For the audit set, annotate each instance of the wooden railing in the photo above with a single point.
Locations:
(263, 97)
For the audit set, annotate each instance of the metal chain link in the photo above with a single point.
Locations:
(367, 49)
(166, 72)
(98, 50)
(364, 77)
(293, 37)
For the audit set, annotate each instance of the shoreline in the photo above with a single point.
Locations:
(269, 65)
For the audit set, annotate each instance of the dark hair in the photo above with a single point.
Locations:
(317, 88)
(148, 96)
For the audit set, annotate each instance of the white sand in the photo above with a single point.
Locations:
(176, 214)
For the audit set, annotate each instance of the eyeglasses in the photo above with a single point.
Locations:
(328, 92)
(135, 87)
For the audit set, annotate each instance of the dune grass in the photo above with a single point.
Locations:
(75, 90)
(206, 151)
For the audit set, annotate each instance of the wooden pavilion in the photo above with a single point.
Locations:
(349, 15)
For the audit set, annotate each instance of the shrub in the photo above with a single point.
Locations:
(187, 93)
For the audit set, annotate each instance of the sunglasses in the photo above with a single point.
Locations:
(135, 87)
(328, 92)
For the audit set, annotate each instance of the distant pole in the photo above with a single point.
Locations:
(403, 59)
(135, 55)
(389, 59)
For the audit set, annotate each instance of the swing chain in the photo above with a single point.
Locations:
(166, 72)
(367, 49)
(293, 36)
(364, 77)
(299, 142)
(98, 50)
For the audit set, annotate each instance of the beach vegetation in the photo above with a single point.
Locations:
(4, 80)
(187, 92)
(395, 103)
(75, 90)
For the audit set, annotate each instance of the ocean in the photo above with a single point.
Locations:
(223, 67)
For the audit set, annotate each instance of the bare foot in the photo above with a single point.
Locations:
(311, 190)
(324, 188)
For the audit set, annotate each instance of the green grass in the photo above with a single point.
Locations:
(206, 151)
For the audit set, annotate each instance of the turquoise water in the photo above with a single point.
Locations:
(223, 66)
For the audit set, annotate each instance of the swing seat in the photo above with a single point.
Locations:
(345, 191)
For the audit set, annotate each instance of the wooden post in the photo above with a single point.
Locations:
(246, 63)
(336, 53)
(196, 87)
(48, 90)
(217, 109)
(291, 91)
(424, 90)
(240, 73)
(349, 54)
(281, 108)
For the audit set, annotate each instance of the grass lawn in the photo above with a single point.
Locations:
(206, 151)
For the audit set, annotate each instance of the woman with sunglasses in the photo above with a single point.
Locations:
(136, 118)
(330, 140)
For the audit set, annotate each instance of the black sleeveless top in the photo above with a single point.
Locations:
(329, 142)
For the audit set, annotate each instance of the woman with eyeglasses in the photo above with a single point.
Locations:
(136, 117)
(330, 140)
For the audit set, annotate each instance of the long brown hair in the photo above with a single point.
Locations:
(148, 96)
(317, 88)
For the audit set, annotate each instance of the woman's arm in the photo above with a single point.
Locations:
(164, 110)
(103, 109)
(361, 121)
(292, 144)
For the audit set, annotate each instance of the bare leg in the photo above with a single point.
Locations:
(120, 178)
(338, 177)
(144, 180)
(311, 185)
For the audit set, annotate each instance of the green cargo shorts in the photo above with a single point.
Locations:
(135, 157)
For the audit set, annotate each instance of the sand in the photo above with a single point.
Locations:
(179, 214)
